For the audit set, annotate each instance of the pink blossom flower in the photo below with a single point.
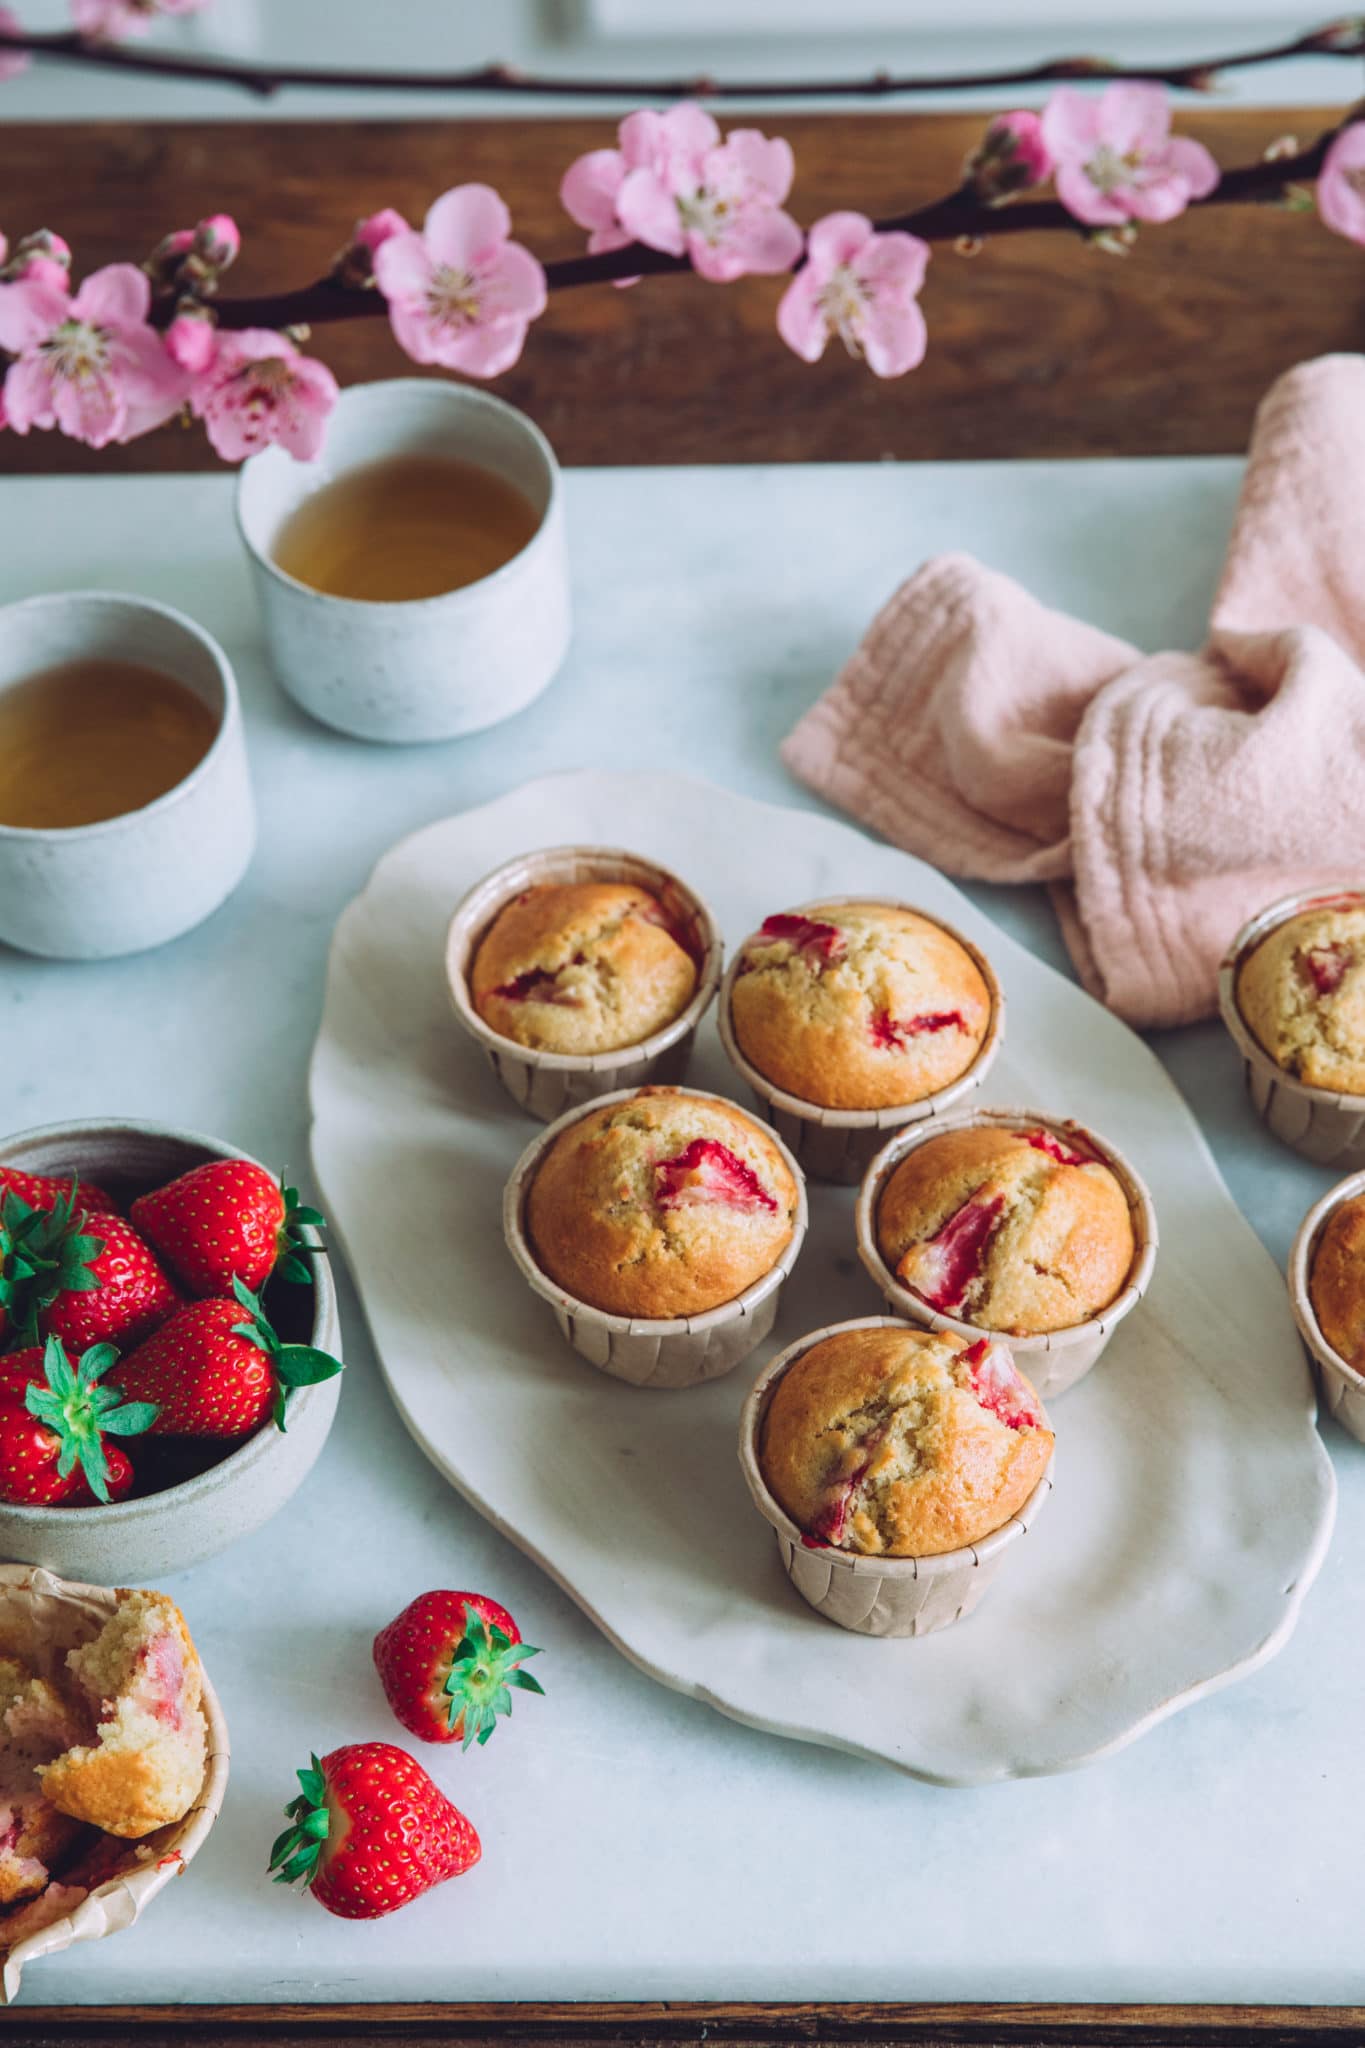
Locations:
(688, 193)
(12, 62)
(1341, 184)
(91, 364)
(861, 286)
(460, 293)
(262, 389)
(1117, 159)
(1010, 157)
(114, 19)
(192, 338)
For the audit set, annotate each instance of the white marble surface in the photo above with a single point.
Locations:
(636, 1844)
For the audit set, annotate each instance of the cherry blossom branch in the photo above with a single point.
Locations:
(1343, 38)
(959, 215)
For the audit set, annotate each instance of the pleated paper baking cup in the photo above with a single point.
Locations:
(1325, 1127)
(683, 1351)
(1341, 1386)
(874, 1596)
(41, 1617)
(838, 1144)
(1055, 1359)
(546, 1084)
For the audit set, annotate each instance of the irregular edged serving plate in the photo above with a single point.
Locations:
(1194, 1500)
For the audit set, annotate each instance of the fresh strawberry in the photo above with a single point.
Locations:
(370, 1832)
(52, 1443)
(20, 1370)
(45, 1190)
(120, 1295)
(447, 1664)
(707, 1171)
(217, 1368)
(227, 1220)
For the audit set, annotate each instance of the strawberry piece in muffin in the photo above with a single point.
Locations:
(707, 1171)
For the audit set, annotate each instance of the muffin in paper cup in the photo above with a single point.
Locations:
(874, 1596)
(682, 1351)
(837, 1144)
(1326, 1127)
(1054, 1359)
(546, 1084)
(1341, 1385)
(41, 1617)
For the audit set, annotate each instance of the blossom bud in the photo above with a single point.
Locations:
(1011, 157)
(217, 240)
(355, 264)
(192, 337)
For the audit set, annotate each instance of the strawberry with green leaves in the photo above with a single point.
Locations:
(45, 1190)
(370, 1832)
(228, 1220)
(449, 1663)
(86, 1281)
(218, 1369)
(53, 1430)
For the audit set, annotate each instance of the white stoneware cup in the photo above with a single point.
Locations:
(873, 1596)
(1054, 1359)
(1341, 1384)
(1325, 1127)
(132, 1542)
(430, 668)
(88, 892)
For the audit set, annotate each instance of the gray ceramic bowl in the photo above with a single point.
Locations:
(136, 1540)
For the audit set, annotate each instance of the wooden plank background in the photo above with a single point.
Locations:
(737, 2026)
(1039, 346)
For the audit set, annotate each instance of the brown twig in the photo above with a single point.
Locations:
(1344, 38)
(957, 214)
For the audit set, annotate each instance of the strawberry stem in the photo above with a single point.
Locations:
(292, 1249)
(81, 1413)
(43, 1253)
(484, 1667)
(295, 1365)
(294, 1853)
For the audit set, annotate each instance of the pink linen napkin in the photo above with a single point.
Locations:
(1165, 797)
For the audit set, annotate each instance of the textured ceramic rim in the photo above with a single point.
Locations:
(433, 392)
(140, 1884)
(491, 895)
(123, 1514)
(1298, 1276)
(910, 1308)
(898, 1114)
(882, 1567)
(519, 1244)
(61, 600)
(1253, 1052)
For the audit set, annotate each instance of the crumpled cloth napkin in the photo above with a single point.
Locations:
(1168, 797)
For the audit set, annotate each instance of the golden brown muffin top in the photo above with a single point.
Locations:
(1011, 1230)
(1301, 992)
(1336, 1284)
(581, 967)
(858, 1005)
(903, 1443)
(666, 1205)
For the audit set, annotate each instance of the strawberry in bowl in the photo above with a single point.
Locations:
(221, 1367)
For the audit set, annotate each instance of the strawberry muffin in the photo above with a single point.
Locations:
(661, 1206)
(581, 968)
(1010, 1230)
(894, 1442)
(1336, 1283)
(1301, 993)
(858, 1006)
(141, 1764)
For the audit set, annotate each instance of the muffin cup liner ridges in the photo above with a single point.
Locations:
(1342, 1387)
(546, 1084)
(682, 1352)
(837, 1144)
(41, 1617)
(874, 1596)
(1055, 1359)
(1323, 1126)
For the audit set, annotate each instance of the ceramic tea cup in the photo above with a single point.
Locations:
(89, 892)
(426, 668)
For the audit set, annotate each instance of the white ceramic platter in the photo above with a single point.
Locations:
(1194, 1501)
